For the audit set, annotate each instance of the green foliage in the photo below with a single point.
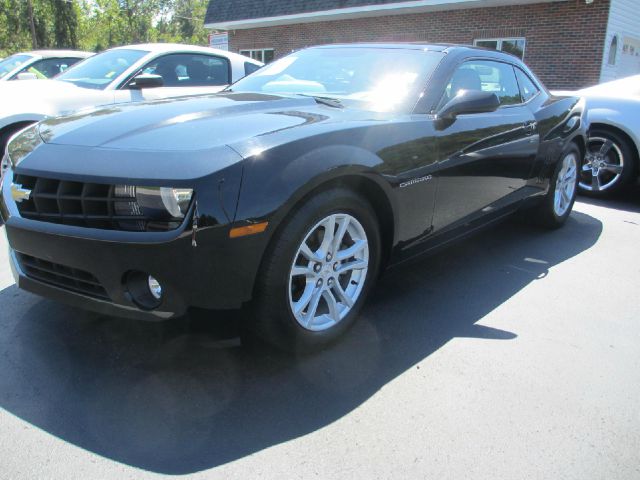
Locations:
(98, 24)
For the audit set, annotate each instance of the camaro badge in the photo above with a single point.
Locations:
(415, 180)
(18, 193)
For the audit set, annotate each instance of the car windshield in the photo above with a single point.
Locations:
(380, 79)
(99, 71)
(14, 61)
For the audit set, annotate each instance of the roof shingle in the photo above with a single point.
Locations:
(232, 10)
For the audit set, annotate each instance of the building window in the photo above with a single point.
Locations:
(264, 55)
(613, 50)
(514, 46)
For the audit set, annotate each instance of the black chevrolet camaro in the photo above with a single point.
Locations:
(288, 193)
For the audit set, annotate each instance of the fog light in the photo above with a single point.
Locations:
(143, 289)
(155, 288)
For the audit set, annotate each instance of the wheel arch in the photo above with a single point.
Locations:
(374, 193)
(371, 187)
(581, 143)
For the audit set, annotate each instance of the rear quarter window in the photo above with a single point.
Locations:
(528, 89)
(249, 68)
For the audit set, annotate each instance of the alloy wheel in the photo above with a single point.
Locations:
(565, 184)
(329, 271)
(603, 165)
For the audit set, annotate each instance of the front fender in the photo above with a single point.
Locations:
(273, 182)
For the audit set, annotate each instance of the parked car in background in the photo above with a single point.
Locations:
(612, 161)
(121, 75)
(39, 64)
(291, 191)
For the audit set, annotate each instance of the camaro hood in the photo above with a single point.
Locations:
(188, 123)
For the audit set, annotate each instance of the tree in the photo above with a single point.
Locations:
(98, 24)
(65, 21)
(32, 24)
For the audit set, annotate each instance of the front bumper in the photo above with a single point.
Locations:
(203, 276)
(218, 273)
(78, 300)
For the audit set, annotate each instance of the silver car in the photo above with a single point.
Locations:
(612, 161)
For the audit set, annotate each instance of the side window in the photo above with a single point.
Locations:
(250, 67)
(486, 76)
(49, 67)
(528, 89)
(190, 70)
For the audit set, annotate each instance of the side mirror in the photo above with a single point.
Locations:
(146, 80)
(26, 76)
(469, 101)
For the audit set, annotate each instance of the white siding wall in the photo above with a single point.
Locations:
(624, 22)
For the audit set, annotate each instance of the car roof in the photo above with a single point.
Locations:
(179, 47)
(399, 45)
(433, 47)
(58, 53)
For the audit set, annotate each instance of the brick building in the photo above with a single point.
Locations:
(568, 43)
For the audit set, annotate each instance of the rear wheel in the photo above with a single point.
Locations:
(318, 273)
(608, 165)
(557, 204)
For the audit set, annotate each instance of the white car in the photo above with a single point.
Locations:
(39, 64)
(121, 75)
(613, 112)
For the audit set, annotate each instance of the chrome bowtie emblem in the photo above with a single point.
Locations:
(18, 193)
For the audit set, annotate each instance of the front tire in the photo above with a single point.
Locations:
(557, 204)
(317, 273)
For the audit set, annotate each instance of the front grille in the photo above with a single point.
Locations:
(61, 276)
(92, 205)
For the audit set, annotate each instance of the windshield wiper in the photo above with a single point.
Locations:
(328, 101)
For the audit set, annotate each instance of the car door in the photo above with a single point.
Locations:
(182, 74)
(484, 158)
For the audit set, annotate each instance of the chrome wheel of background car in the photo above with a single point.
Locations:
(328, 272)
(565, 184)
(603, 165)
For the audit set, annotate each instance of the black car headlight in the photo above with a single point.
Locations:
(155, 204)
(158, 201)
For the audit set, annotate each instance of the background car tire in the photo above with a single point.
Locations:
(619, 154)
(548, 213)
(270, 318)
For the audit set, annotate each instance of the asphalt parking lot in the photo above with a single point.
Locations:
(514, 354)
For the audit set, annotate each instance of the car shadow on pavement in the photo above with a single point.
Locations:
(172, 399)
(628, 200)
